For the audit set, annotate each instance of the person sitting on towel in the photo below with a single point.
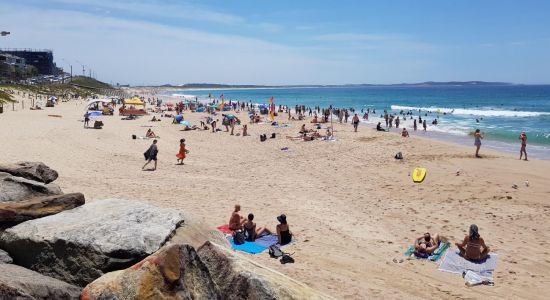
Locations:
(426, 244)
(251, 232)
(150, 134)
(236, 221)
(283, 231)
(473, 247)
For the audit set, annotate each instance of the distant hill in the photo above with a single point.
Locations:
(427, 83)
(89, 82)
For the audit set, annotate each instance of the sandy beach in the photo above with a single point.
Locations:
(353, 208)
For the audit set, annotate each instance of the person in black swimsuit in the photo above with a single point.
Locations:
(251, 232)
(283, 231)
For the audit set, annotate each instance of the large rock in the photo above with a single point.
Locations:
(5, 257)
(13, 188)
(174, 272)
(82, 244)
(20, 283)
(12, 213)
(238, 277)
(36, 171)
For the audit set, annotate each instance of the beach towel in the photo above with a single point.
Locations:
(225, 229)
(249, 247)
(436, 255)
(454, 263)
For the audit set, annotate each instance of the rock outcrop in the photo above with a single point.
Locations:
(13, 213)
(213, 272)
(238, 277)
(36, 171)
(20, 283)
(13, 188)
(5, 257)
(82, 244)
(174, 272)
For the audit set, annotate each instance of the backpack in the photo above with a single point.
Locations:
(399, 155)
(287, 259)
(239, 237)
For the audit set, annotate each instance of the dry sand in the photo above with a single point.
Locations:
(353, 208)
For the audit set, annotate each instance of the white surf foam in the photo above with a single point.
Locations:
(473, 112)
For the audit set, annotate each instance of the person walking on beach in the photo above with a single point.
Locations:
(355, 122)
(182, 152)
(86, 119)
(477, 141)
(523, 150)
(151, 154)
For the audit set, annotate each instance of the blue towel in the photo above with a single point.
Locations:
(249, 247)
(267, 240)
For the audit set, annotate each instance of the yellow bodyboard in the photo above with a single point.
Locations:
(419, 174)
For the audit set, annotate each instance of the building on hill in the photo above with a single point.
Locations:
(42, 60)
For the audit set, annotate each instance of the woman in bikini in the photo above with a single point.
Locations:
(283, 230)
(477, 142)
(473, 247)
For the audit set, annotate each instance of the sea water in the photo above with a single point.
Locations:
(501, 112)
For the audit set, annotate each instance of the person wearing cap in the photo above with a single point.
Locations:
(283, 230)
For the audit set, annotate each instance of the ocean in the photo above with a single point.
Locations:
(500, 112)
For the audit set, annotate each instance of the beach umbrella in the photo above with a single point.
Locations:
(52, 98)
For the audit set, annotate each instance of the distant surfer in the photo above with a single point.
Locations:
(523, 150)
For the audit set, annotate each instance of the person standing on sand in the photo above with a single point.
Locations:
(355, 122)
(414, 125)
(523, 150)
(86, 119)
(424, 125)
(151, 154)
(182, 152)
(477, 141)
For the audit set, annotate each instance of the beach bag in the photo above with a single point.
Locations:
(239, 237)
(399, 155)
(275, 251)
(287, 259)
(134, 137)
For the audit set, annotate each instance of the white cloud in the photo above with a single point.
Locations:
(178, 10)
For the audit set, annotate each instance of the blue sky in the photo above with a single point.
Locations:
(288, 42)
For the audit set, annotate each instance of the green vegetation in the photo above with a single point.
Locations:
(79, 86)
(90, 83)
(5, 97)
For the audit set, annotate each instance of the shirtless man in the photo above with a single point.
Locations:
(426, 244)
(236, 221)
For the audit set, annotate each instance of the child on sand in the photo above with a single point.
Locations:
(182, 152)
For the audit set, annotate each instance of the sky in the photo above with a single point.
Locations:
(287, 42)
